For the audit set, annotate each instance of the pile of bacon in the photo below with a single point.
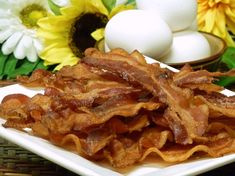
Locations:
(115, 106)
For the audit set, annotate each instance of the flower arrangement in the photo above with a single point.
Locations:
(49, 34)
(218, 17)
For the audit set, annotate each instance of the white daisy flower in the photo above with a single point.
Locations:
(18, 27)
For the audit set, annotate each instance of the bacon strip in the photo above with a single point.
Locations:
(223, 105)
(115, 106)
(193, 118)
(187, 76)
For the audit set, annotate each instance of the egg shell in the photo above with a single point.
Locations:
(187, 46)
(106, 48)
(138, 30)
(179, 14)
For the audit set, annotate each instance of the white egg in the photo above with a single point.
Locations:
(106, 48)
(187, 46)
(179, 14)
(138, 29)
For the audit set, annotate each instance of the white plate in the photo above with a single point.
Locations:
(82, 166)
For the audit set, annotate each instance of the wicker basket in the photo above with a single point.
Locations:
(17, 161)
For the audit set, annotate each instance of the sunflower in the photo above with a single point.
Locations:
(66, 36)
(18, 26)
(217, 17)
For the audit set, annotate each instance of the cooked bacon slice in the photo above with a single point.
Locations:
(155, 137)
(96, 140)
(193, 118)
(179, 153)
(204, 87)
(126, 67)
(131, 124)
(116, 106)
(217, 102)
(100, 114)
(122, 152)
(188, 120)
(19, 124)
(11, 106)
(187, 76)
(37, 79)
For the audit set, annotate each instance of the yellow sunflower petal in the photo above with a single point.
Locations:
(48, 35)
(72, 11)
(231, 25)
(55, 23)
(56, 55)
(230, 13)
(229, 40)
(96, 6)
(98, 34)
(69, 60)
(221, 22)
(209, 20)
(52, 46)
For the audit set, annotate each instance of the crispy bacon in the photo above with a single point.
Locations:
(193, 118)
(187, 76)
(126, 67)
(219, 103)
(37, 79)
(115, 106)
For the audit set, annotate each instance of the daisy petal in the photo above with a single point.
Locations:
(32, 54)
(28, 41)
(4, 4)
(38, 45)
(19, 52)
(4, 34)
(4, 13)
(24, 45)
(5, 23)
(9, 46)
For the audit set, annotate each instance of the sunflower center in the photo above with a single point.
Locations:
(80, 33)
(31, 14)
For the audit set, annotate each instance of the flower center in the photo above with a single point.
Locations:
(80, 33)
(31, 14)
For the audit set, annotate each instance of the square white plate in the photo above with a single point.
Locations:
(82, 166)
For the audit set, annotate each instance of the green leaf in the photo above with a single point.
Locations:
(130, 2)
(41, 65)
(55, 8)
(25, 68)
(226, 81)
(3, 59)
(229, 57)
(227, 63)
(109, 4)
(9, 66)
